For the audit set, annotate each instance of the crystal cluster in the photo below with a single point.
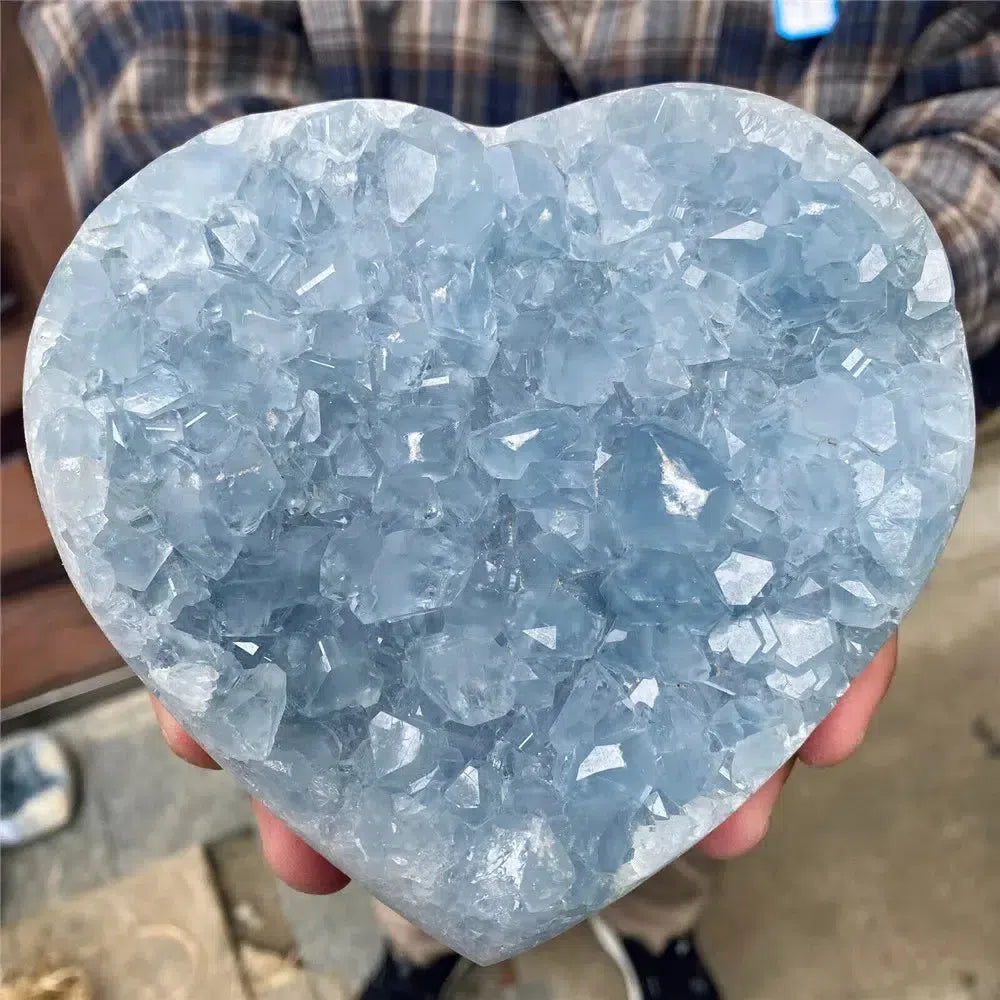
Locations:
(503, 507)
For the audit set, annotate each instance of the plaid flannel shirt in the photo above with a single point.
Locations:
(917, 83)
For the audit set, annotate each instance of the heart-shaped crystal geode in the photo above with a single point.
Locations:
(504, 506)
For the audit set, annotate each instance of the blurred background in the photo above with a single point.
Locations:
(879, 879)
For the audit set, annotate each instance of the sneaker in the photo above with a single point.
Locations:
(676, 973)
(37, 788)
(398, 979)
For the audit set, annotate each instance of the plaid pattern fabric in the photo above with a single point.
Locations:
(918, 83)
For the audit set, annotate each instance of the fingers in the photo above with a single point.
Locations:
(833, 741)
(842, 731)
(178, 740)
(293, 860)
(746, 828)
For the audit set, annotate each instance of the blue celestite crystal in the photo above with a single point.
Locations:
(503, 507)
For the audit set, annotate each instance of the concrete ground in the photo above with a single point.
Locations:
(880, 879)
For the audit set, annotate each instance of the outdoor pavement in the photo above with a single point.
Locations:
(879, 880)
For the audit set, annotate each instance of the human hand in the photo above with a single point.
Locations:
(832, 742)
(291, 858)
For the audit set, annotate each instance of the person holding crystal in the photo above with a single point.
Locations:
(918, 84)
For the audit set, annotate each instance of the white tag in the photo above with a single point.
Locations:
(795, 19)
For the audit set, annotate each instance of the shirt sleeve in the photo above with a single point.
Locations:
(126, 81)
(943, 141)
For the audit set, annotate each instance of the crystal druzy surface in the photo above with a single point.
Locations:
(503, 507)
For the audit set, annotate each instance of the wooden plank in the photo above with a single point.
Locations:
(48, 638)
(160, 932)
(38, 218)
(24, 535)
(13, 345)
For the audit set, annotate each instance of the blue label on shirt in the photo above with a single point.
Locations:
(795, 19)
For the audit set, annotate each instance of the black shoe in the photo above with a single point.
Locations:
(398, 979)
(676, 973)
